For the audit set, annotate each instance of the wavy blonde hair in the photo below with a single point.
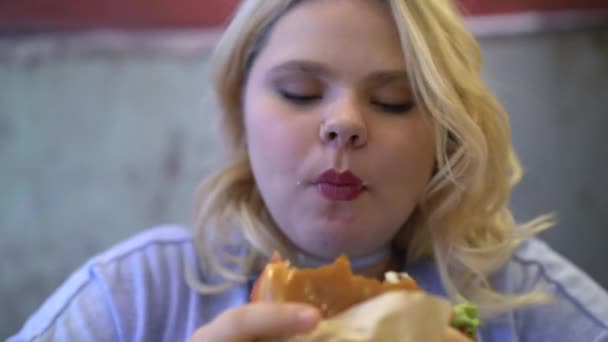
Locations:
(464, 221)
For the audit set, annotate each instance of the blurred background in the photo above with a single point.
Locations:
(107, 124)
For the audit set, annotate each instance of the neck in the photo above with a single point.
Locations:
(377, 270)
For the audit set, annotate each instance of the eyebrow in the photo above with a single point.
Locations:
(383, 77)
(320, 69)
(303, 66)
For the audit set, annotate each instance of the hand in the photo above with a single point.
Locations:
(272, 320)
(453, 335)
(259, 320)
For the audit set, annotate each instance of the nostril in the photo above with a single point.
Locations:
(354, 139)
(332, 135)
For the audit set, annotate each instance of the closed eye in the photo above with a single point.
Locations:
(401, 107)
(299, 98)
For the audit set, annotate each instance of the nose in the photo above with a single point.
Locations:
(344, 128)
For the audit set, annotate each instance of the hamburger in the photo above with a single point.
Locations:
(334, 289)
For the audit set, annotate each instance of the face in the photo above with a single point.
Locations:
(339, 150)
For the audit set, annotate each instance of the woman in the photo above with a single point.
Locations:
(358, 127)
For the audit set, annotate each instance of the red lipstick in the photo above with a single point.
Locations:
(339, 186)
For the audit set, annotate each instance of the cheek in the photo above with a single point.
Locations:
(265, 133)
(276, 136)
(261, 125)
(412, 156)
(420, 143)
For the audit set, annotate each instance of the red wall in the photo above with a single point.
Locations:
(131, 14)
(482, 7)
(18, 15)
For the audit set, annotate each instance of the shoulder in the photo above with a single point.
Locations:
(134, 283)
(152, 240)
(579, 309)
(152, 262)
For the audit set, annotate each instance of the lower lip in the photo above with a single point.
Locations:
(340, 192)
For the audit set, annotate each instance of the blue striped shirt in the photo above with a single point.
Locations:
(136, 292)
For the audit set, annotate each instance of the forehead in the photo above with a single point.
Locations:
(351, 36)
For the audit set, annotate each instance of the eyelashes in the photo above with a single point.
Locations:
(394, 107)
(308, 99)
(300, 98)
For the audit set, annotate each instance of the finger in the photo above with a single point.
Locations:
(260, 320)
(453, 335)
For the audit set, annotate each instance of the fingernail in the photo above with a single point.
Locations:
(307, 318)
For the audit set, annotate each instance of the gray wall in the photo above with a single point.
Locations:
(555, 87)
(98, 144)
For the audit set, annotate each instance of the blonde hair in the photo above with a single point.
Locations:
(464, 221)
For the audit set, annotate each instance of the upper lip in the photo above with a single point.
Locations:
(344, 178)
